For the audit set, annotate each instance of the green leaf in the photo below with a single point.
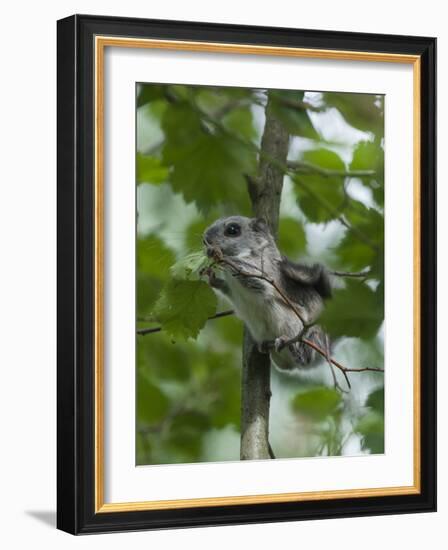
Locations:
(376, 400)
(240, 121)
(148, 290)
(152, 404)
(295, 119)
(362, 245)
(186, 433)
(231, 331)
(291, 237)
(184, 307)
(154, 258)
(353, 311)
(320, 197)
(225, 385)
(363, 111)
(144, 449)
(213, 99)
(353, 254)
(318, 403)
(378, 191)
(369, 220)
(371, 427)
(195, 231)
(159, 358)
(370, 156)
(324, 158)
(189, 267)
(149, 93)
(150, 170)
(191, 421)
(207, 168)
(181, 124)
(367, 156)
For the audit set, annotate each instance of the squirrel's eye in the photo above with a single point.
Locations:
(232, 230)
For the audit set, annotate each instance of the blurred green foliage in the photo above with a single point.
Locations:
(195, 147)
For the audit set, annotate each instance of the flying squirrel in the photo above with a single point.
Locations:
(246, 246)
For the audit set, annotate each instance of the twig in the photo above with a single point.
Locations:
(308, 168)
(359, 274)
(330, 364)
(336, 384)
(143, 331)
(343, 369)
(333, 361)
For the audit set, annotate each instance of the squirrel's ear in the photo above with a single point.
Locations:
(258, 224)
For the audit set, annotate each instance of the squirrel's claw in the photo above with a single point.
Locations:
(279, 343)
(267, 345)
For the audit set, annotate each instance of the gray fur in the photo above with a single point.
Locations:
(258, 303)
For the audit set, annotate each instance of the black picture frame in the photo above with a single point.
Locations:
(76, 272)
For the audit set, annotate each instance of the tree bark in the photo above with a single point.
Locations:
(265, 193)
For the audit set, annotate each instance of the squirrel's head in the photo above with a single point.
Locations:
(237, 236)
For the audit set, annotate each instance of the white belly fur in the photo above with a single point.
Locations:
(265, 316)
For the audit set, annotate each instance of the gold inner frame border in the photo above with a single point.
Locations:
(101, 42)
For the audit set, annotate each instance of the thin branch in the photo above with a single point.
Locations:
(298, 104)
(143, 331)
(359, 274)
(336, 384)
(308, 168)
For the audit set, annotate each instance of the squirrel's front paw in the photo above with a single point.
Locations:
(207, 272)
(279, 343)
(213, 280)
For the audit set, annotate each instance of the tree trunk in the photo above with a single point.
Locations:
(265, 193)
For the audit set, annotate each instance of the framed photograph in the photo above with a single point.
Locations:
(246, 274)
